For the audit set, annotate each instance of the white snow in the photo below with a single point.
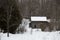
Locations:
(48, 20)
(36, 35)
(24, 25)
(38, 18)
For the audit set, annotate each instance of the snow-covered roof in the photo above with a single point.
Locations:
(38, 18)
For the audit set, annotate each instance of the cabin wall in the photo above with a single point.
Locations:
(42, 25)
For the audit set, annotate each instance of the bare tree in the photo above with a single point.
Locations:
(10, 17)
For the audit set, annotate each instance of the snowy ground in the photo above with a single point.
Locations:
(36, 35)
